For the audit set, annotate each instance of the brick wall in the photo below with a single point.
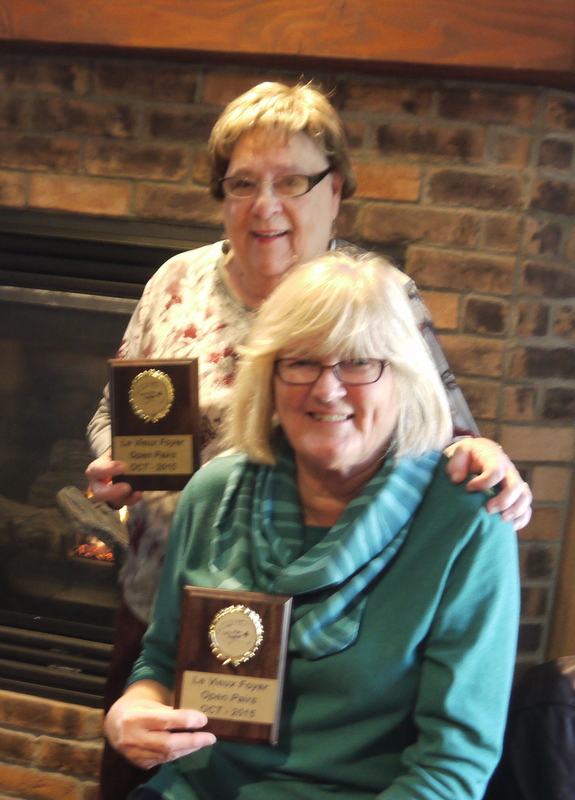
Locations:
(48, 750)
(469, 186)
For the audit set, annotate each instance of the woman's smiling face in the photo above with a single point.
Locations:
(271, 234)
(338, 427)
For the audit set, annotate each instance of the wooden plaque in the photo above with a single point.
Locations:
(231, 661)
(155, 421)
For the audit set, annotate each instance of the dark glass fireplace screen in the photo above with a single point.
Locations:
(66, 294)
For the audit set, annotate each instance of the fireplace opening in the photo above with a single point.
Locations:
(67, 289)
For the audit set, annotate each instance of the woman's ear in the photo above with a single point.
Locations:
(336, 186)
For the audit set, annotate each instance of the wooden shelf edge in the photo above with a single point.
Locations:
(558, 79)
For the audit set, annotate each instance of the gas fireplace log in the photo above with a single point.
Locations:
(92, 519)
(23, 525)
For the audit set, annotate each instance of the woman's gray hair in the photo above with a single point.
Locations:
(348, 306)
(282, 111)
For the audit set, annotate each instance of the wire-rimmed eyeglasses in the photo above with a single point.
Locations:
(241, 188)
(355, 372)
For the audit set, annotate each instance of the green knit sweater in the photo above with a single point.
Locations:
(413, 710)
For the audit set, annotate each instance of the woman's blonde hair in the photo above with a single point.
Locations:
(351, 307)
(282, 111)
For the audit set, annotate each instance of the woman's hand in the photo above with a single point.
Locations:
(100, 473)
(487, 459)
(148, 732)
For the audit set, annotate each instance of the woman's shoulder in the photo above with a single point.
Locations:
(451, 520)
(179, 266)
(211, 479)
(200, 499)
(452, 506)
(356, 250)
(443, 488)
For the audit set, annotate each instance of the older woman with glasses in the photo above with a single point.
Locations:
(280, 165)
(405, 590)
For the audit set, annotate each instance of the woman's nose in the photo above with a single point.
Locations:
(328, 387)
(266, 202)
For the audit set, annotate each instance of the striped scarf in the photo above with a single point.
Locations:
(258, 544)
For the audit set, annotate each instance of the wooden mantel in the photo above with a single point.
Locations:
(533, 38)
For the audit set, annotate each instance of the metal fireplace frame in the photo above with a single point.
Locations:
(86, 263)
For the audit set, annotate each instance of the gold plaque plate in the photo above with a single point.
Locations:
(236, 633)
(151, 395)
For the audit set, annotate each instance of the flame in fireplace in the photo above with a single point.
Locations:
(92, 547)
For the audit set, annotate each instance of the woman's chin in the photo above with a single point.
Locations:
(331, 460)
(274, 260)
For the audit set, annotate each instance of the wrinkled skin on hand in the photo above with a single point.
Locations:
(149, 732)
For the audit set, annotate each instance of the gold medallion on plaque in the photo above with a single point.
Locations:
(235, 634)
(151, 395)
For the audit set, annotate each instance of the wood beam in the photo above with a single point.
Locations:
(522, 36)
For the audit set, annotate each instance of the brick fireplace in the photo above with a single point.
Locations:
(469, 186)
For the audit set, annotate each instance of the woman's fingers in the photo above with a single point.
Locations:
(100, 473)
(149, 748)
(481, 457)
(115, 494)
(149, 733)
(513, 502)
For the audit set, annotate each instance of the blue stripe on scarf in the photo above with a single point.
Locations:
(258, 543)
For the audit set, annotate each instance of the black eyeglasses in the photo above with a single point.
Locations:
(303, 372)
(285, 186)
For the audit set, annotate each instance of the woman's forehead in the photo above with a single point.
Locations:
(265, 147)
(322, 348)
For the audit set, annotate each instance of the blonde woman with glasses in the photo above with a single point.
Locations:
(405, 590)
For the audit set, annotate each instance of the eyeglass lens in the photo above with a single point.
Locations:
(356, 371)
(284, 186)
